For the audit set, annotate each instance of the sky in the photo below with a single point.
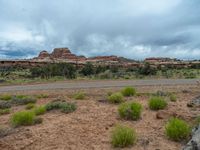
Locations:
(135, 29)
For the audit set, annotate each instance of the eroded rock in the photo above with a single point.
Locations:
(194, 143)
(195, 102)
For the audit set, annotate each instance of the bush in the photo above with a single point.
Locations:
(5, 104)
(129, 91)
(23, 100)
(177, 130)
(157, 103)
(23, 118)
(42, 96)
(79, 96)
(130, 111)
(63, 106)
(30, 106)
(39, 110)
(5, 97)
(4, 111)
(115, 98)
(173, 97)
(123, 136)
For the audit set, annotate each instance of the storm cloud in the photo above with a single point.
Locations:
(131, 28)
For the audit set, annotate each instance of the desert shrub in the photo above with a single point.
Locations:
(23, 100)
(42, 96)
(63, 106)
(177, 130)
(160, 94)
(23, 118)
(115, 98)
(106, 75)
(79, 96)
(123, 136)
(157, 103)
(4, 131)
(38, 120)
(130, 111)
(172, 97)
(5, 104)
(88, 69)
(5, 97)
(39, 110)
(30, 106)
(4, 111)
(129, 91)
(61, 69)
(109, 93)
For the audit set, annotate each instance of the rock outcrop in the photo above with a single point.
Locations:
(43, 54)
(194, 143)
(195, 102)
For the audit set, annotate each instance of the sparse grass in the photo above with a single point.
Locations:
(115, 98)
(130, 111)
(4, 111)
(42, 96)
(23, 100)
(63, 106)
(39, 110)
(123, 136)
(177, 130)
(172, 97)
(157, 103)
(23, 118)
(128, 91)
(79, 96)
(30, 106)
(5, 97)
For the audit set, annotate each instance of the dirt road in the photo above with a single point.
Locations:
(97, 84)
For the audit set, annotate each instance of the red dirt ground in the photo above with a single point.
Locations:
(90, 126)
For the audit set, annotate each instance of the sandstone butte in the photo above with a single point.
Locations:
(65, 55)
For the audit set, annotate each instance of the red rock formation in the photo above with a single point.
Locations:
(43, 54)
(104, 58)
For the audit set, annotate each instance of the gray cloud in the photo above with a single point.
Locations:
(134, 29)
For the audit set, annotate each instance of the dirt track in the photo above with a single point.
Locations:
(97, 84)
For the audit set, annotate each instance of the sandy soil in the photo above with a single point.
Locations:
(90, 126)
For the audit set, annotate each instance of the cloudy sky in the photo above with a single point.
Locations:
(130, 28)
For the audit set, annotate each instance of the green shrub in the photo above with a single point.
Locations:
(30, 106)
(23, 100)
(5, 104)
(123, 136)
(42, 96)
(39, 110)
(129, 91)
(5, 97)
(130, 111)
(23, 118)
(109, 93)
(4, 111)
(79, 96)
(172, 97)
(63, 106)
(115, 98)
(157, 103)
(177, 130)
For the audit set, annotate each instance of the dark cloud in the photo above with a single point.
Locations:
(134, 29)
